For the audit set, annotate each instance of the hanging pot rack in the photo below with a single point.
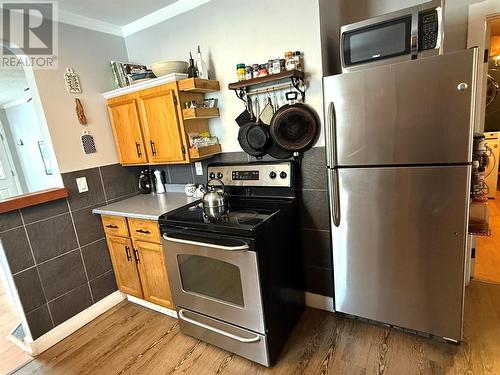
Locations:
(263, 84)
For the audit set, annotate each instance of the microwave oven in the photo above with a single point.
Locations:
(407, 34)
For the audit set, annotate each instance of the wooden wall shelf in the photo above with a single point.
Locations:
(204, 152)
(32, 199)
(295, 74)
(200, 113)
(198, 85)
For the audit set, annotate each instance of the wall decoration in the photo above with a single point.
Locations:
(88, 143)
(72, 82)
(44, 153)
(80, 112)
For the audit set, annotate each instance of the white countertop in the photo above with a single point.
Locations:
(146, 206)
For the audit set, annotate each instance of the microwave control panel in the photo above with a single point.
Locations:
(428, 29)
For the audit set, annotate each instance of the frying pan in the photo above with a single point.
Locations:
(254, 137)
(294, 127)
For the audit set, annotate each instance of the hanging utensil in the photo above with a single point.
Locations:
(247, 115)
(267, 113)
(254, 137)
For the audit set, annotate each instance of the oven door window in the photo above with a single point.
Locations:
(211, 278)
(381, 41)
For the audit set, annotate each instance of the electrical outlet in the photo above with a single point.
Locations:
(199, 168)
(81, 182)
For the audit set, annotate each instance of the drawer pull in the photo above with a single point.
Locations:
(142, 231)
(127, 252)
(112, 226)
(136, 256)
(153, 147)
(138, 149)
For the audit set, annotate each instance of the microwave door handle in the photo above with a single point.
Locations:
(217, 330)
(203, 244)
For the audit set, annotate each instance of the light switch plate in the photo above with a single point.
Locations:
(81, 182)
(199, 168)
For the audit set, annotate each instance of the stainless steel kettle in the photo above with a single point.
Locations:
(215, 196)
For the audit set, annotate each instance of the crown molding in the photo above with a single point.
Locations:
(89, 23)
(170, 11)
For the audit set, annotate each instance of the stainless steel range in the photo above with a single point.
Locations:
(237, 279)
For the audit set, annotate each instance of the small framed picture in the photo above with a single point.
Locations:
(45, 157)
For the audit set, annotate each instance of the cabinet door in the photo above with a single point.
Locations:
(162, 128)
(153, 274)
(125, 122)
(124, 265)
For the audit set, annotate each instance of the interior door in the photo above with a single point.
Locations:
(161, 125)
(153, 274)
(9, 187)
(124, 265)
(414, 112)
(126, 126)
(399, 247)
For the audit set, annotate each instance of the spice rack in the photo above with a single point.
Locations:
(295, 76)
(198, 85)
(200, 113)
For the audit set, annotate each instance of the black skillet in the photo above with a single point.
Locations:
(294, 127)
(254, 137)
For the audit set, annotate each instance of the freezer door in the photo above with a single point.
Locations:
(399, 245)
(415, 112)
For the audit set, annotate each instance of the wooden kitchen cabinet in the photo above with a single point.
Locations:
(124, 265)
(126, 125)
(162, 128)
(137, 256)
(153, 274)
(149, 125)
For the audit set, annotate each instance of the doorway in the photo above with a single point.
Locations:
(488, 247)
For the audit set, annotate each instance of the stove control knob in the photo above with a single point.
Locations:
(272, 175)
(211, 175)
(219, 175)
(283, 175)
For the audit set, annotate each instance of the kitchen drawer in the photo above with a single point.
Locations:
(144, 230)
(115, 225)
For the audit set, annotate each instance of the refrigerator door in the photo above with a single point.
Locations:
(399, 244)
(408, 113)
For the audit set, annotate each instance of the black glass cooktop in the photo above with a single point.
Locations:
(243, 215)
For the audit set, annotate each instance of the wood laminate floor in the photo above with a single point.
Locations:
(11, 356)
(488, 248)
(130, 339)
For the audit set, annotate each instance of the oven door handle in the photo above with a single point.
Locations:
(217, 330)
(203, 244)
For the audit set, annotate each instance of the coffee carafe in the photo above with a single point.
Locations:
(145, 182)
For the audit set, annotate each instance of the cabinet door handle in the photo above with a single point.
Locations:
(136, 256)
(153, 147)
(127, 252)
(112, 226)
(142, 231)
(138, 149)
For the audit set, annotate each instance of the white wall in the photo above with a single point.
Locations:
(24, 125)
(231, 32)
(88, 53)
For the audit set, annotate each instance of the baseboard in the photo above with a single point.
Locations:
(71, 325)
(152, 306)
(318, 301)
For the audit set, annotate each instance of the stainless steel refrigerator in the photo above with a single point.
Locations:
(399, 152)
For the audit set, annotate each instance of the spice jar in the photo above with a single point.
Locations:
(240, 71)
(289, 61)
(255, 70)
(298, 60)
(276, 66)
(270, 67)
(248, 72)
(262, 70)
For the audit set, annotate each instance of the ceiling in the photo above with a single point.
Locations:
(117, 12)
(12, 85)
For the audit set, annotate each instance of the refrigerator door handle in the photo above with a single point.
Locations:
(331, 137)
(333, 191)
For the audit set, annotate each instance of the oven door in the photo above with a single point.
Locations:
(215, 276)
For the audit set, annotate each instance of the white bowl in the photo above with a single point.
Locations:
(163, 68)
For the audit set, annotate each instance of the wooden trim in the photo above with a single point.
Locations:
(32, 199)
(270, 78)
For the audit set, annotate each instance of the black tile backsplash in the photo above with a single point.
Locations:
(51, 278)
(180, 174)
(313, 209)
(70, 304)
(56, 283)
(52, 237)
(17, 249)
(312, 172)
(96, 258)
(319, 280)
(88, 226)
(316, 248)
(95, 195)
